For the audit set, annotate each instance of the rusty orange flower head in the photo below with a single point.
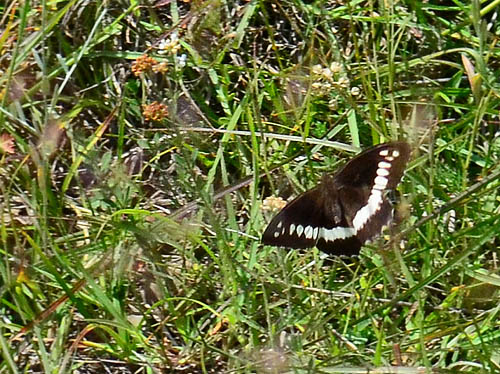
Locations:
(7, 143)
(142, 64)
(155, 111)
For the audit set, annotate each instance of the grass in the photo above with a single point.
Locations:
(139, 142)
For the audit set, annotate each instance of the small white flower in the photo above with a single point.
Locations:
(317, 85)
(343, 82)
(336, 67)
(162, 45)
(327, 74)
(333, 104)
(181, 60)
(317, 69)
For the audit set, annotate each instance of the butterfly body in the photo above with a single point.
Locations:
(347, 208)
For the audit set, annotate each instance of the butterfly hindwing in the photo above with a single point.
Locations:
(349, 246)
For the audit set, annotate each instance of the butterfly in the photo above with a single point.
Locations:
(347, 208)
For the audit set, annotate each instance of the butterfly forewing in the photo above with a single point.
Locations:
(346, 209)
(288, 228)
(362, 170)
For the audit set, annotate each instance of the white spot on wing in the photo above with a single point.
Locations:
(315, 233)
(276, 234)
(292, 228)
(308, 232)
(371, 207)
(280, 224)
(335, 233)
(376, 194)
(381, 182)
(384, 152)
(384, 165)
(300, 230)
(395, 153)
(382, 172)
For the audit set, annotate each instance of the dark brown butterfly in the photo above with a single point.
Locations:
(347, 209)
